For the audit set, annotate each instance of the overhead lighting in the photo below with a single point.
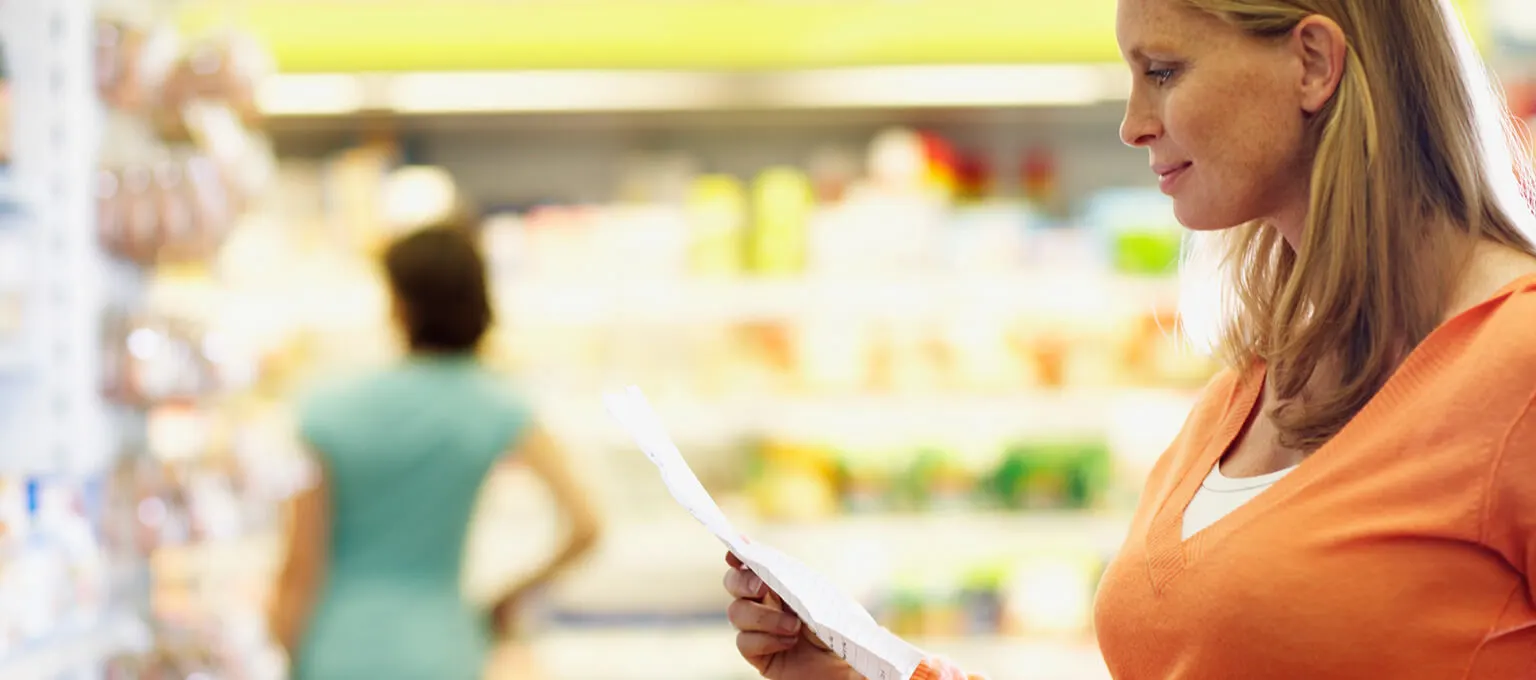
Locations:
(553, 91)
(311, 94)
(948, 86)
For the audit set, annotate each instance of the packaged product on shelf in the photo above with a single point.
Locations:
(223, 68)
(1051, 594)
(128, 212)
(941, 164)
(642, 241)
(173, 207)
(86, 570)
(6, 132)
(1066, 249)
(354, 185)
(212, 205)
(559, 242)
(243, 154)
(34, 577)
(150, 359)
(835, 354)
(52, 573)
(981, 352)
(764, 359)
(782, 200)
(177, 209)
(907, 358)
(946, 602)
(987, 237)
(866, 483)
(15, 280)
(1139, 230)
(898, 161)
(118, 53)
(1156, 354)
(1043, 351)
(1053, 474)
(936, 481)
(717, 213)
(973, 178)
(179, 432)
(982, 599)
(134, 511)
(1039, 175)
(793, 482)
(656, 178)
(888, 223)
(504, 247)
(832, 172)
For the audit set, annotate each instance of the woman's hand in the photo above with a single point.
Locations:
(773, 639)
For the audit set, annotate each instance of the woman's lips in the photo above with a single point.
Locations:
(1169, 174)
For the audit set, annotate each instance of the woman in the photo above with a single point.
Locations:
(1381, 336)
(371, 586)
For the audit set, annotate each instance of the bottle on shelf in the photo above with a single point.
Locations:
(717, 212)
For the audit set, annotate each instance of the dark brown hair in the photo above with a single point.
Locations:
(438, 281)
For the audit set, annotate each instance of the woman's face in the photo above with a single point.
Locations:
(1219, 114)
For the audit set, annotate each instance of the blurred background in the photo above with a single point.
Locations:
(884, 268)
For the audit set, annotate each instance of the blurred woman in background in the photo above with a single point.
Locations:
(371, 586)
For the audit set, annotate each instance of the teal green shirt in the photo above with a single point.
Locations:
(405, 451)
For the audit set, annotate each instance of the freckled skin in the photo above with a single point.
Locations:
(1207, 94)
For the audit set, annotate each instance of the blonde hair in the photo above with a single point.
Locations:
(1415, 138)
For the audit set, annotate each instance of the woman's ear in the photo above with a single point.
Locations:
(1319, 43)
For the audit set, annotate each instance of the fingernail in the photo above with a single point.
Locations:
(755, 584)
(789, 625)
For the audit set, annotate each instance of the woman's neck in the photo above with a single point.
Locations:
(1490, 267)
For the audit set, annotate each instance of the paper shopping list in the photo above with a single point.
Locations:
(840, 622)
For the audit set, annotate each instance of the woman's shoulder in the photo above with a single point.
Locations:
(1222, 393)
(1228, 389)
(1500, 342)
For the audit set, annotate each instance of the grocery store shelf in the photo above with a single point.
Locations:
(11, 202)
(70, 651)
(14, 362)
(1074, 294)
(708, 652)
(956, 534)
(594, 91)
(1022, 658)
(902, 419)
(680, 563)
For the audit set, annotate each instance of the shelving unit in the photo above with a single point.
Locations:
(58, 436)
(685, 301)
(75, 650)
(708, 652)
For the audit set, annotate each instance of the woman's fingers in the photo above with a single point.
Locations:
(745, 584)
(758, 645)
(734, 561)
(754, 617)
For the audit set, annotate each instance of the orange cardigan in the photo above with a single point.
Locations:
(1401, 550)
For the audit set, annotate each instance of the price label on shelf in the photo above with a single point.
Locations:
(841, 623)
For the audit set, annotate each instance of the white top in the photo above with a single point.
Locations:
(1219, 495)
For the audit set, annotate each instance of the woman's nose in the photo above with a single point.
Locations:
(1139, 127)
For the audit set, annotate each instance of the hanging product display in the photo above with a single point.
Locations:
(6, 131)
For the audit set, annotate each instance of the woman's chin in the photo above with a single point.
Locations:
(1197, 219)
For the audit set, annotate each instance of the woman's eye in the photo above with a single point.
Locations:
(1160, 75)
